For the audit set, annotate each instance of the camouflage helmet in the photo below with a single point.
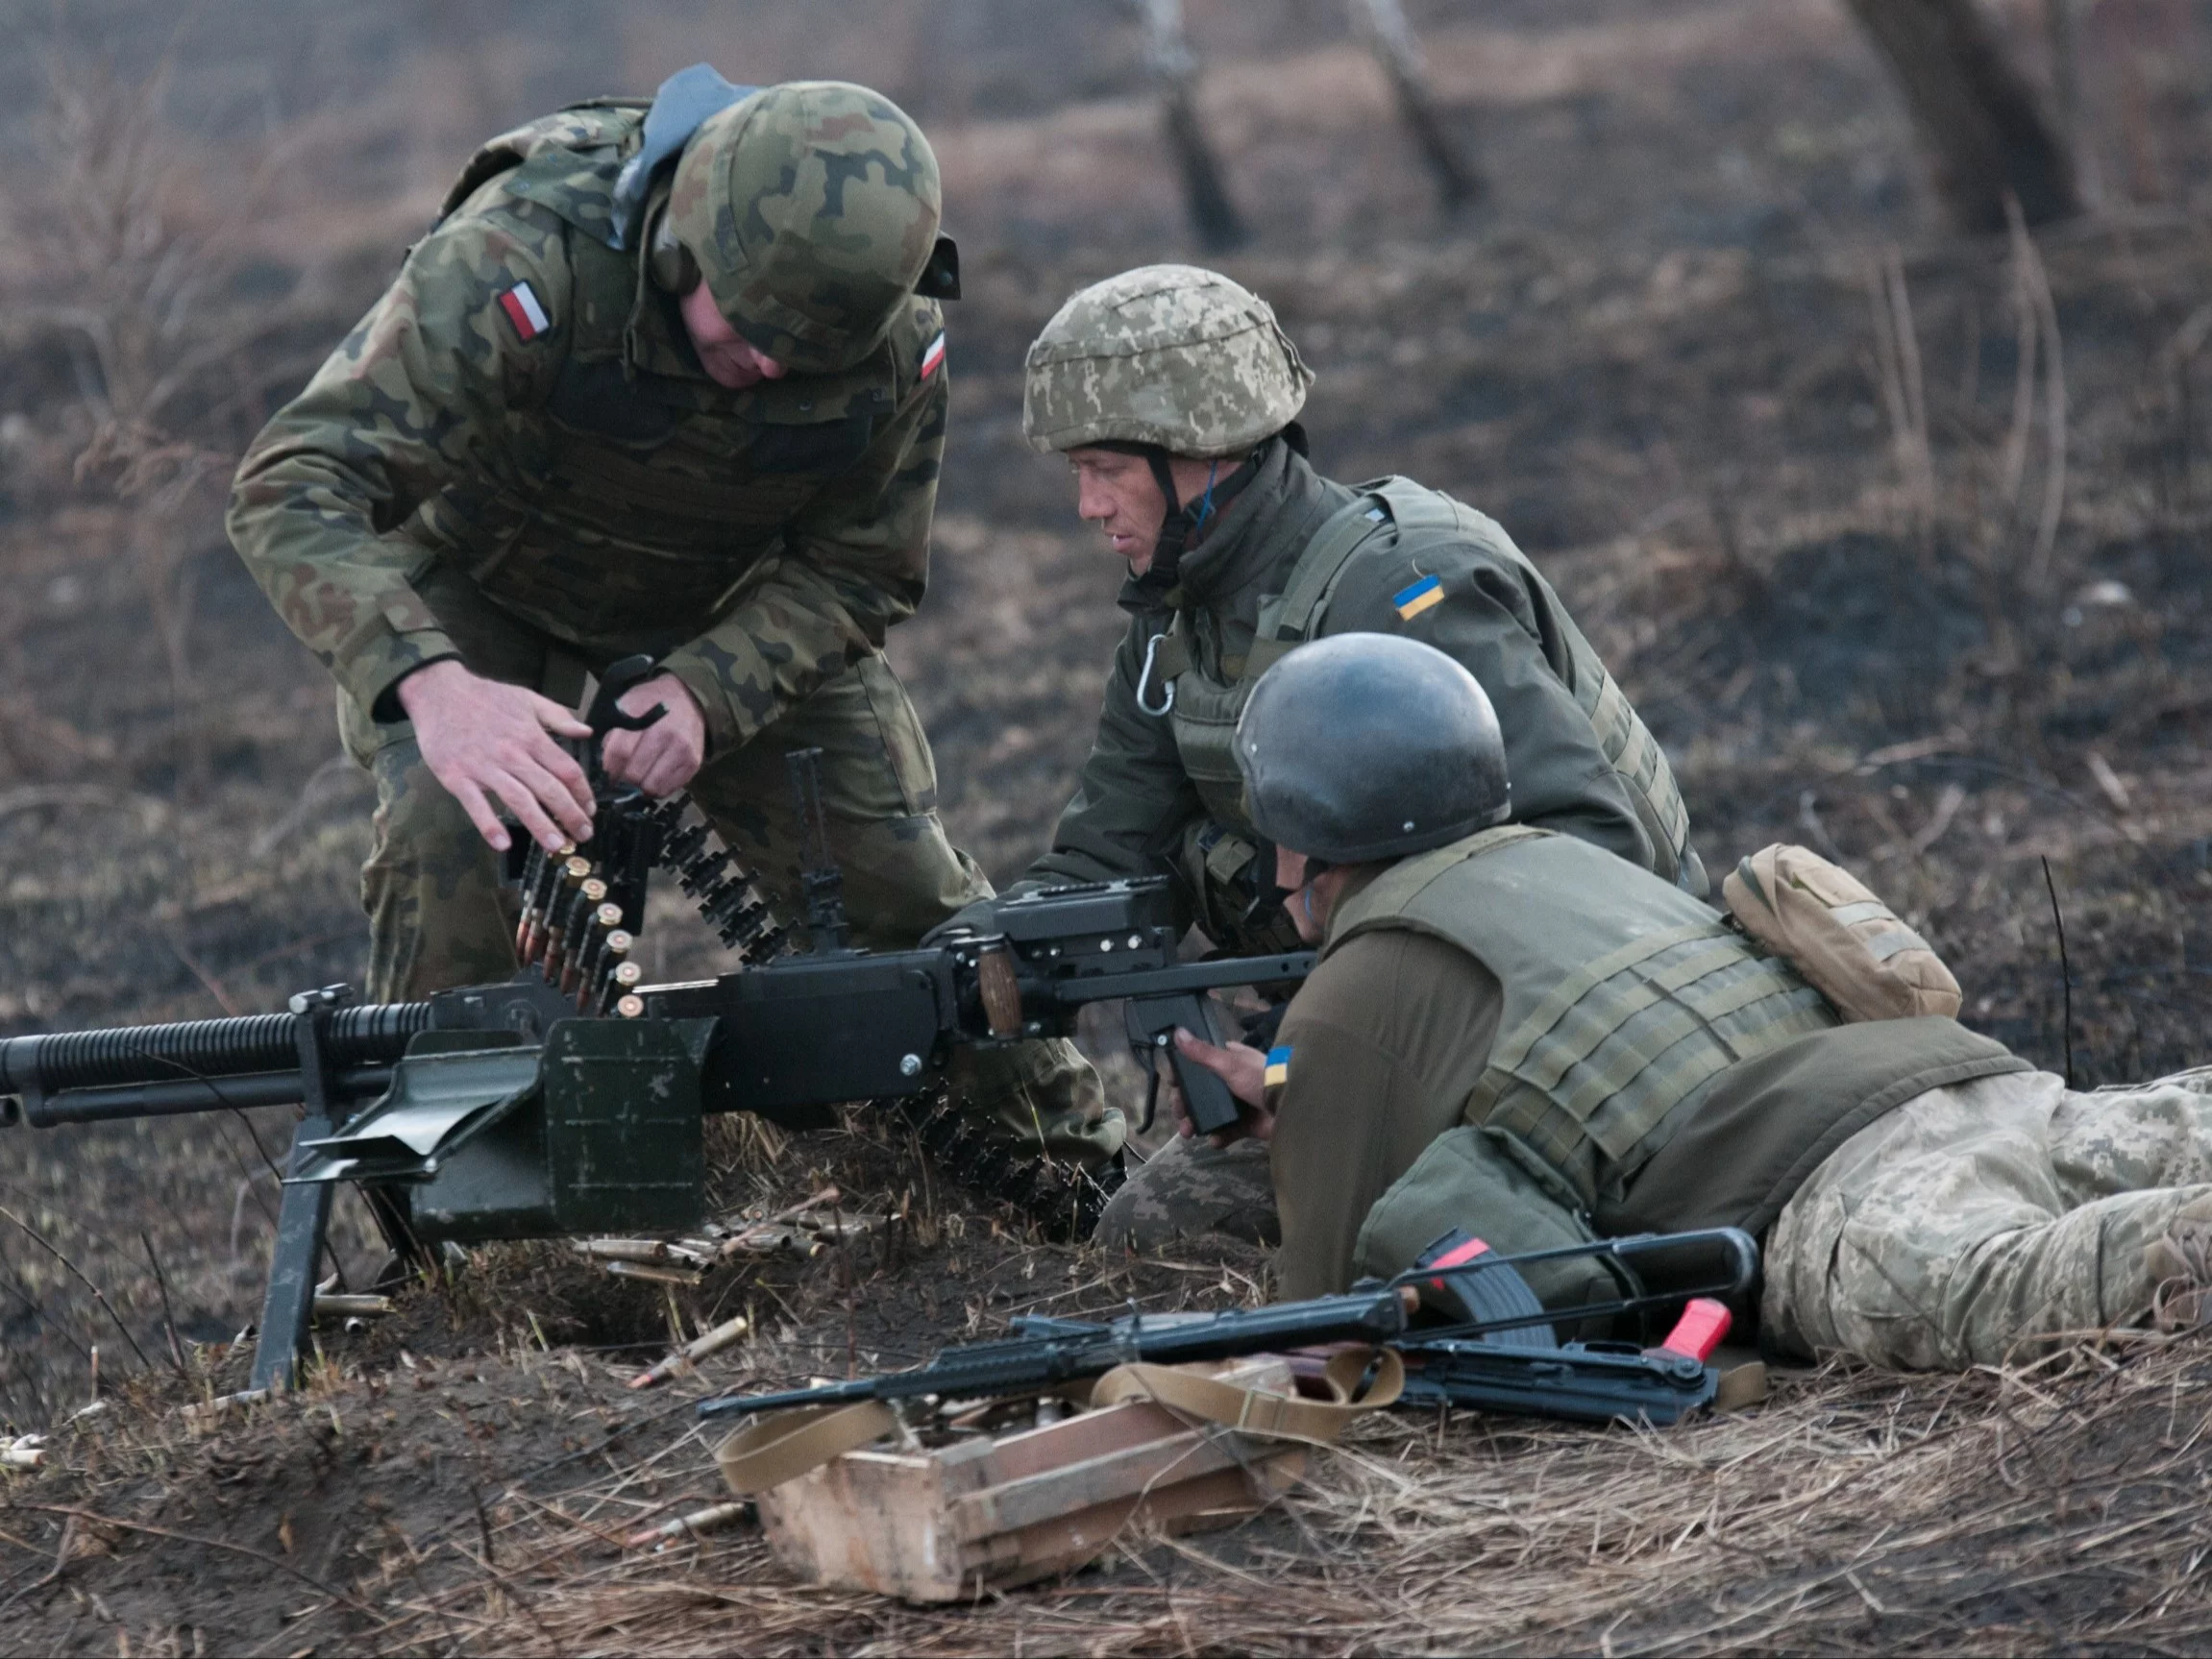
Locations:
(1164, 354)
(1362, 746)
(811, 209)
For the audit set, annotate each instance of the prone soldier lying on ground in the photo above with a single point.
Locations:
(1512, 1031)
(1174, 394)
(668, 380)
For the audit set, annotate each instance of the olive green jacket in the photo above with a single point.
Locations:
(522, 407)
(1393, 1127)
(1136, 802)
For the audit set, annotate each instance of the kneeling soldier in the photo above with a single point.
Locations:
(1174, 394)
(1513, 1033)
(669, 381)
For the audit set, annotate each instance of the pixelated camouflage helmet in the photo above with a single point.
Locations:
(812, 209)
(1164, 354)
(1363, 747)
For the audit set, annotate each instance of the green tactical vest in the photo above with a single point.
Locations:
(1205, 711)
(1624, 998)
(635, 503)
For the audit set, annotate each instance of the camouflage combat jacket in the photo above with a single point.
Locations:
(524, 406)
(1149, 786)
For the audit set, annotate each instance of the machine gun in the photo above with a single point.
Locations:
(568, 1099)
(1498, 1351)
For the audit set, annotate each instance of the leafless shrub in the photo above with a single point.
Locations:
(2003, 504)
(127, 255)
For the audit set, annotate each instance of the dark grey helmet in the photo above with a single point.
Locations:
(1364, 747)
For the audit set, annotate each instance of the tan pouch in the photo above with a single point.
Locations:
(1850, 946)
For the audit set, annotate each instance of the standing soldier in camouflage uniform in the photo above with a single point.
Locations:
(666, 381)
(1512, 1034)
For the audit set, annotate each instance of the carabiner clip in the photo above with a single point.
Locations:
(1144, 679)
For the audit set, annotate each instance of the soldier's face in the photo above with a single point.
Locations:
(727, 358)
(1117, 492)
(1308, 896)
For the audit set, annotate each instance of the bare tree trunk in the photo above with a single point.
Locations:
(1213, 213)
(1459, 181)
(2062, 24)
(1987, 135)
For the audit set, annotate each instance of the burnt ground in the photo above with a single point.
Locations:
(1835, 576)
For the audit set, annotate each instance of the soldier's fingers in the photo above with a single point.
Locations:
(564, 768)
(480, 813)
(618, 752)
(516, 798)
(553, 796)
(560, 722)
(668, 768)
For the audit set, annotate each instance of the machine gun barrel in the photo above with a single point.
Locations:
(201, 1049)
(183, 1096)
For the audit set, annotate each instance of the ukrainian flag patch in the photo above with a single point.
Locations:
(1413, 600)
(1278, 1066)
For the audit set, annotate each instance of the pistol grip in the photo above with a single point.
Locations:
(1205, 1097)
(1152, 1023)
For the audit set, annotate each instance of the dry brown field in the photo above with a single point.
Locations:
(1898, 539)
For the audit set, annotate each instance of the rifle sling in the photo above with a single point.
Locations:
(1257, 1411)
(787, 1444)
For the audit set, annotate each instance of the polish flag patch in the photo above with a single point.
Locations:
(521, 305)
(933, 355)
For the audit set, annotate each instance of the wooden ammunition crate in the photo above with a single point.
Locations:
(940, 1526)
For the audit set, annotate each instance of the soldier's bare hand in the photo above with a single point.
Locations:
(1240, 1065)
(489, 741)
(666, 754)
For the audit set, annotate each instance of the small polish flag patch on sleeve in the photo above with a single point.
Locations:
(933, 355)
(521, 305)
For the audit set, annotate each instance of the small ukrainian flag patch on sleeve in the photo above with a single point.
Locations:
(1413, 600)
(1278, 1066)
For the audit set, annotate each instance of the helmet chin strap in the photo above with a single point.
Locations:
(1177, 526)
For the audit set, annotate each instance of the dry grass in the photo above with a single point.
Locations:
(1855, 1512)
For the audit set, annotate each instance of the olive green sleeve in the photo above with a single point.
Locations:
(1503, 630)
(1134, 797)
(853, 562)
(1386, 1039)
(410, 404)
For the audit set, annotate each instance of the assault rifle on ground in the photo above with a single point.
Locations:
(568, 1100)
(1497, 1350)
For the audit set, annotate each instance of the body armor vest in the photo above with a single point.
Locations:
(1623, 998)
(1205, 710)
(631, 507)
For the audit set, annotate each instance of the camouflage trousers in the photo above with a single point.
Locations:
(1190, 1188)
(439, 915)
(1976, 1219)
